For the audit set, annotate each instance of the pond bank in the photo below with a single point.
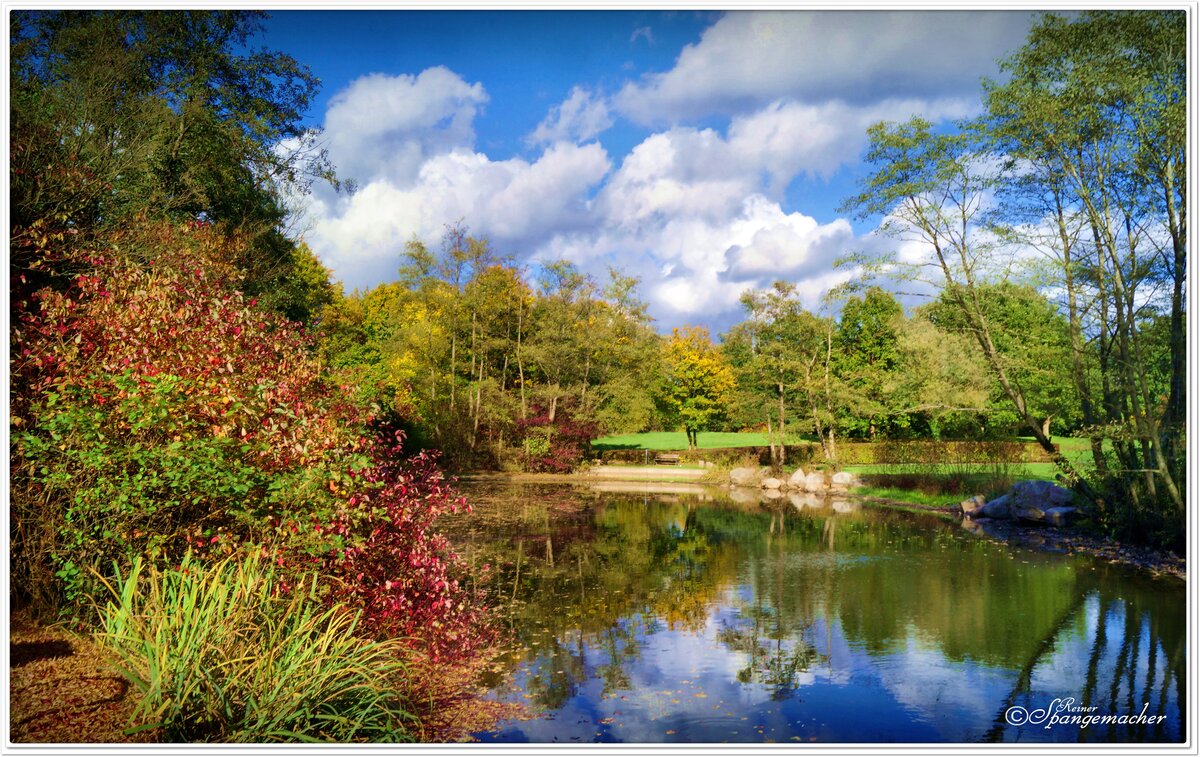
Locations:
(1041, 538)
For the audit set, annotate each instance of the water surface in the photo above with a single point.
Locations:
(693, 617)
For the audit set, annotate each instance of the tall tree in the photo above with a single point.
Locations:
(1099, 102)
(120, 114)
(931, 188)
(697, 381)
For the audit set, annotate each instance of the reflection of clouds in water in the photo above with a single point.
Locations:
(958, 700)
(914, 631)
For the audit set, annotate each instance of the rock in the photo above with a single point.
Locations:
(971, 507)
(771, 483)
(1059, 516)
(814, 482)
(796, 480)
(997, 508)
(1029, 513)
(1038, 494)
(770, 494)
(844, 479)
(744, 477)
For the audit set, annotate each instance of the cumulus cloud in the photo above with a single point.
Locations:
(748, 59)
(387, 126)
(697, 212)
(515, 202)
(578, 118)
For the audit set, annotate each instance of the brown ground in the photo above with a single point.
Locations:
(61, 689)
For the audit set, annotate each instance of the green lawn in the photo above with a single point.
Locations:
(677, 440)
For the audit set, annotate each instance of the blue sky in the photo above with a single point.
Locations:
(704, 152)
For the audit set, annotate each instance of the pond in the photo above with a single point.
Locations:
(691, 617)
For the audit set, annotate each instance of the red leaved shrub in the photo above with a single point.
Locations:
(157, 410)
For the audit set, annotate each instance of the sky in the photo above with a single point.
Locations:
(705, 153)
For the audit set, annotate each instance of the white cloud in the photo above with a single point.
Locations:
(578, 118)
(387, 126)
(362, 236)
(644, 32)
(748, 59)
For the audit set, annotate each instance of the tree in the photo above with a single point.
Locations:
(697, 381)
(931, 188)
(1097, 106)
(168, 114)
(1031, 339)
(866, 357)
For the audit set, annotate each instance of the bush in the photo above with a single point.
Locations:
(157, 411)
(557, 446)
(219, 653)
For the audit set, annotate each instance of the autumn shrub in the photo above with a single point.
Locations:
(555, 446)
(157, 411)
(219, 653)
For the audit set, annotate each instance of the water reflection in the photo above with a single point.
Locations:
(698, 617)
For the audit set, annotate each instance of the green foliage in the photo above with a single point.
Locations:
(1031, 337)
(119, 115)
(228, 652)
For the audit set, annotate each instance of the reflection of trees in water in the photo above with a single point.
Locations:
(592, 576)
(776, 654)
(1142, 664)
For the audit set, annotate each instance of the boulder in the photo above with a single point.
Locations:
(1027, 513)
(971, 507)
(744, 477)
(796, 480)
(1038, 494)
(814, 482)
(1059, 516)
(771, 483)
(844, 479)
(997, 508)
(771, 494)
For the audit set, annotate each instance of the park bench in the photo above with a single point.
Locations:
(666, 458)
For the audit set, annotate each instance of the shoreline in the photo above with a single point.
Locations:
(1156, 562)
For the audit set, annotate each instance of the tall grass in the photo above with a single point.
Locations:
(219, 653)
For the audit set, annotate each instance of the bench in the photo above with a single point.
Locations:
(666, 459)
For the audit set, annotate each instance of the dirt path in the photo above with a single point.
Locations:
(61, 689)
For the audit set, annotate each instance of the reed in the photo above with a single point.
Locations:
(221, 652)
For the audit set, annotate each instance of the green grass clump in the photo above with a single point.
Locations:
(218, 653)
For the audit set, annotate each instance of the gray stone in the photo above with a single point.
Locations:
(1039, 494)
(844, 479)
(744, 477)
(796, 480)
(814, 482)
(997, 508)
(1028, 513)
(971, 507)
(771, 483)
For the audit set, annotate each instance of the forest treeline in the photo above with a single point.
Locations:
(187, 383)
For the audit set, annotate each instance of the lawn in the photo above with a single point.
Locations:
(677, 440)
(1023, 471)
